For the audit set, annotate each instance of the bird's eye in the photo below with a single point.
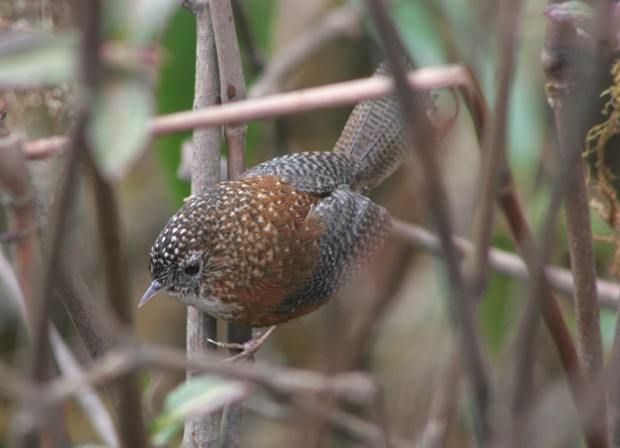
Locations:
(193, 268)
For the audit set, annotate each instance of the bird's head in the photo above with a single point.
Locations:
(178, 256)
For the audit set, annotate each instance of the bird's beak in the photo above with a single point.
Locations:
(155, 288)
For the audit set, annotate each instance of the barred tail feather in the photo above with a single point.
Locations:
(374, 135)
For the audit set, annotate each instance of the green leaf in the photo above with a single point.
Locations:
(119, 129)
(419, 31)
(200, 395)
(175, 92)
(35, 59)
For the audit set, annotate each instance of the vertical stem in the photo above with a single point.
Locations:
(535, 257)
(232, 83)
(252, 51)
(15, 179)
(203, 431)
(614, 389)
(573, 75)
(40, 361)
(508, 25)
(232, 88)
(576, 204)
(421, 138)
(126, 389)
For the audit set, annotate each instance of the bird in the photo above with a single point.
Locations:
(281, 239)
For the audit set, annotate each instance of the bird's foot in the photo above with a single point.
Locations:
(247, 348)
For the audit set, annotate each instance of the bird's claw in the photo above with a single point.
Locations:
(248, 348)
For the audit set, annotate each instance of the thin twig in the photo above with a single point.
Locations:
(443, 404)
(573, 76)
(46, 147)
(128, 391)
(580, 244)
(232, 83)
(88, 398)
(203, 430)
(344, 20)
(306, 100)
(247, 36)
(495, 153)
(13, 387)
(232, 88)
(15, 180)
(14, 176)
(356, 387)
(40, 363)
(127, 398)
(422, 141)
(535, 259)
(354, 331)
(570, 94)
(93, 326)
(505, 263)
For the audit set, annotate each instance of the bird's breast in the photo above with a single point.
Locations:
(266, 245)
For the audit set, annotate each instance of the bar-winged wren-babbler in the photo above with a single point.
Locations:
(278, 241)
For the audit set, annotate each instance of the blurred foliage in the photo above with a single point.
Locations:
(415, 334)
(175, 92)
(37, 59)
(202, 394)
(119, 126)
(175, 89)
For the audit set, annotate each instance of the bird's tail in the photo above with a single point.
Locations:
(374, 135)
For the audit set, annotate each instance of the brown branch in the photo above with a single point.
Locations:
(535, 258)
(46, 147)
(421, 137)
(246, 35)
(305, 100)
(574, 71)
(127, 391)
(15, 180)
(566, 89)
(127, 388)
(580, 244)
(508, 24)
(232, 88)
(93, 325)
(203, 431)
(356, 387)
(542, 297)
(14, 176)
(40, 361)
(504, 262)
(356, 322)
(232, 83)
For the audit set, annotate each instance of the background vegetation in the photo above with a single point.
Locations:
(90, 179)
